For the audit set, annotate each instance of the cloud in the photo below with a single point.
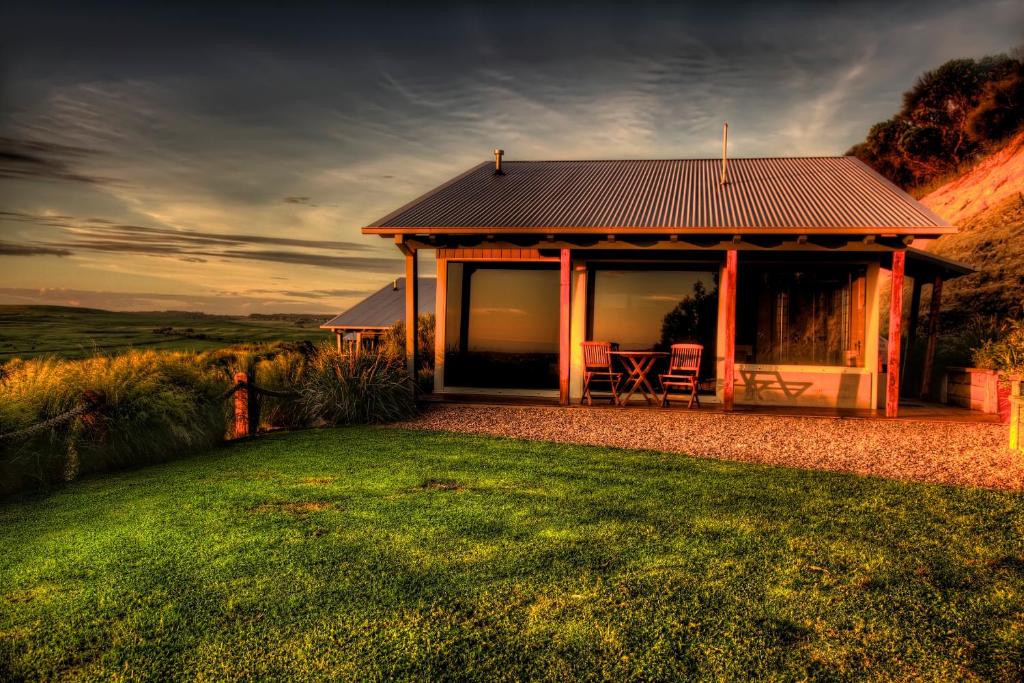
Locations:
(296, 200)
(310, 294)
(13, 249)
(379, 265)
(102, 235)
(36, 160)
(103, 229)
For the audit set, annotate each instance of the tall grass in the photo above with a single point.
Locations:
(283, 371)
(158, 406)
(161, 405)
(356, 389)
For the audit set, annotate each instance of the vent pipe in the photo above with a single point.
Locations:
(725, 160)
(394, 285)
(497, 162)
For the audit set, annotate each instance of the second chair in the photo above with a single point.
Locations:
(683, 368)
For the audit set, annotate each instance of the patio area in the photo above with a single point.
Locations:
(929, 443)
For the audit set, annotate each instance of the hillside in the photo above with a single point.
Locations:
(987, 204)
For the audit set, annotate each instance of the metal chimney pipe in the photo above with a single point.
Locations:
(725, 159)
(497, 162)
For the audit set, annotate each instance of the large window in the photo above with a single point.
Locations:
(502, 326)
(790, 315)
(644, 309)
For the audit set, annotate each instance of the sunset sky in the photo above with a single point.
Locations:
(223, 160)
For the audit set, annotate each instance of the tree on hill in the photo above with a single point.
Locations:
(950, 115)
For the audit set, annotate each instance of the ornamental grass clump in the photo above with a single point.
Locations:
(369, 388)
(1005, 353)
(282, 372)
(154, 406)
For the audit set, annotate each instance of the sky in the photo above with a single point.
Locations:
(223, 159)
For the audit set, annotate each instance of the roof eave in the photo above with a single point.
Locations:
(917, 231)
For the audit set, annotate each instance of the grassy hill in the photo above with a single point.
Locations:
(30, 331)
(987, 204)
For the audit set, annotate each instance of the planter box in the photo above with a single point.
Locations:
(974, 389)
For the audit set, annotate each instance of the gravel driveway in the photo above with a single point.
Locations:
(940, 452)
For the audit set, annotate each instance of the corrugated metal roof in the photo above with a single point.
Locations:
(820, 193)
(385, 307)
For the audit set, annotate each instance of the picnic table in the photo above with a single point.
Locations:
(638, 366)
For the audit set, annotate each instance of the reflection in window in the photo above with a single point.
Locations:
(808, 316)
(502, 326)
(653, 309)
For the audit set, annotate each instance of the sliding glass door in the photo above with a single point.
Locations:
(653, 307)
(501, 327)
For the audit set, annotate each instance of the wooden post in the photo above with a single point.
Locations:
(338, 335)
(933, 333)
(915, 312)
(729, 292)
(358, 348)
(241, 406)
(93, 420)
(411, 312)
(441, 323)
(892, 385)
(255, 403)
(564, 348)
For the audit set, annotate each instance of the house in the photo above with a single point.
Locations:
(361, 326)
(773, 264)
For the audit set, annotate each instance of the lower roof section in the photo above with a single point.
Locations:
(384, 308)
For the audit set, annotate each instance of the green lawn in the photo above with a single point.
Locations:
(369, 553)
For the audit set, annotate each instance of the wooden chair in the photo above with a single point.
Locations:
(597, 367)
(683, 368)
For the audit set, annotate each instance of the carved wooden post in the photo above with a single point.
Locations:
(241, 406)
(892, 385)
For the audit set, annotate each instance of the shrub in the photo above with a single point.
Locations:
(369, 388)
(1004, 353)
(158, 406)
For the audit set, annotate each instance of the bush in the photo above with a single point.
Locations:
(369, 388)
(158, 406)
(1004, 353)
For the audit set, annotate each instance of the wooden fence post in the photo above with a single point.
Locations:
(93, 420)
(241, 406)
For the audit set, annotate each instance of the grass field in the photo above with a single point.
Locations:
(368, 553)
(30, 331)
